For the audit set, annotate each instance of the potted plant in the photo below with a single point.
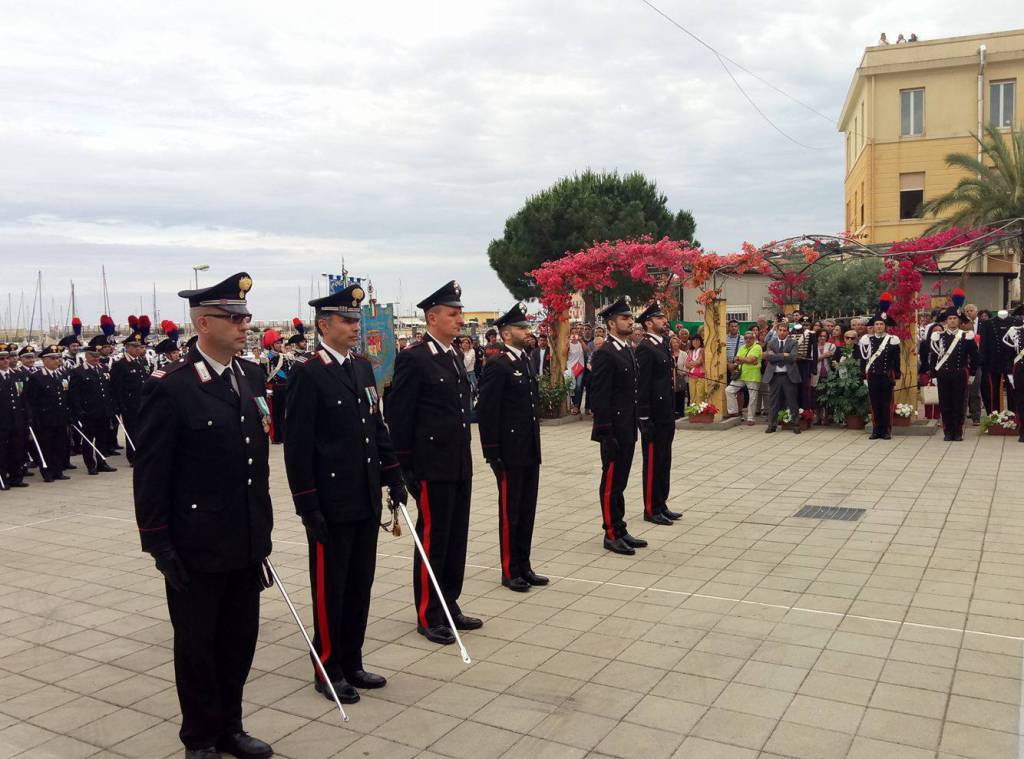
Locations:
(804, 419)
(903, 415)
(845, 397)
(554, 394)
(999, 423)
(701, 413)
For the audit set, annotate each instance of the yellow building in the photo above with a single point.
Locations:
(482, 318)
(910, 105)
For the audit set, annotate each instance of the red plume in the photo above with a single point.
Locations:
(133, 322)
(107, 325)
(299, 326)
(76, 326)
(168, 326)
(144, 326)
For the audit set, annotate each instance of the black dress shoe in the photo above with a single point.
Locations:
(518, 584)
(947, 438)
(70, 466)
(658, 519)
(672, 514)
(93, 472)
(244, 746)
(959, 438)
(618, 546)
(769, 430)
(202, 753)
(19, 484)
(61, 476)
(47, 478)
(886, 436)
(632, 542)
(437, 634)
(104, 467)
(462, 622)
(874, 436)
(346, 693)
(534, 579)
(796, 430)
(364, 680)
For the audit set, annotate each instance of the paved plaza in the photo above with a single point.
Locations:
(741, 632)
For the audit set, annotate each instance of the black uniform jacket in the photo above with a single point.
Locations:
(12, 403)
(654, 385)
(613, 391)
(428, 411)
(888, 361)
(506, 411)
(337, 450)
(127, 376)
(964, 356)
(89, 393)
(201, 472)
(46, 396)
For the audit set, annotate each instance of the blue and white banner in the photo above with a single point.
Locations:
(336, 282)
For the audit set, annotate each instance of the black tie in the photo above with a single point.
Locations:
(226, 376)
(346, 366)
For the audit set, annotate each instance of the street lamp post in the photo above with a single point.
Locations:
(198, 268)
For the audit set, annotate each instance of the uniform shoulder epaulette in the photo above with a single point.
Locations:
(968, 334)
(865, 340)
(894, 340)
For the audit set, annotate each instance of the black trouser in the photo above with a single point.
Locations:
(278, 400)
(657, 452)
(216, 622)
(340, 578)
(443, 527)
(12, 453)
(880, 393)
(517, 509)
(94, 430)
(782, 389)
(953, 400)
(106, 436)
(130, 429)
(614, 478)
(974, 397)
(54, 443)
(992, 389)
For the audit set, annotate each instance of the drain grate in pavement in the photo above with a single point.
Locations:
(841, 513)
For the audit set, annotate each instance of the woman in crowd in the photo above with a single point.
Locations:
(694, 364)
(836, 337)
(576, 363)
(826, 355)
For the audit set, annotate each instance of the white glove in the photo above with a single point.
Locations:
(865, 383)
(935, 381)
(971, 380)
(1012, 383)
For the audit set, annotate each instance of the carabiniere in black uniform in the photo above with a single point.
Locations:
(127, 376)
(428, 411)
(202, 503)
(510, 436)
(13, 420)
(92, 403)
(46, 397)
(880, 365)
(338, 454)
(953, 360)
(613, 394)
(655, 417)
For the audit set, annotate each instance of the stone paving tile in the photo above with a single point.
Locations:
(741, 632)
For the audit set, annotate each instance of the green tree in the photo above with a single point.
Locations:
(574, 213)
(992, 191)
(843, 288)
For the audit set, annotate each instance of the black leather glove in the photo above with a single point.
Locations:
(172, 568)
(398, 493)
(646, 429)
(412, 482)
(498, 467)
(316, 526)
(609, 448)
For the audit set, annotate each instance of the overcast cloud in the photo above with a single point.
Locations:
(279, 137)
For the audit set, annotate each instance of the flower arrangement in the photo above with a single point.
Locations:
(784, 416)
(905, 410)
(806, 415)
(694, 409)
(1005, 420)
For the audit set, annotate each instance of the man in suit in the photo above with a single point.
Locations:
(92, 404)
(613, 399)
(880, 364)
(202, 503)
(783, 375)
(954, 358)
(46, 398)
(510, 437)
(428, 415)
(656, 413)
(338, 455)
(540, 358)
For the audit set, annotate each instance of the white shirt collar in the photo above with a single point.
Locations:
(621, 343)
(337, 356)
(217, 366)
(656, 338)
(514, 351)
(439, 343)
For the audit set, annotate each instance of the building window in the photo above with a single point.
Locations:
(1000, 98)
(911, 195)
(911, 112)
(738, 314)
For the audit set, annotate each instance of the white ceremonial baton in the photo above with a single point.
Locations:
(126, 435)
(78, 429)
(42, 458)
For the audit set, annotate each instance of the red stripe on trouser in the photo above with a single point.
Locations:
(270, 416)
(505, 547)
(606, 502)
(321, 608)
(424, 505)
(648, 506)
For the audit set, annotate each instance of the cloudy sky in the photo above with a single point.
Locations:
(279, 137)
